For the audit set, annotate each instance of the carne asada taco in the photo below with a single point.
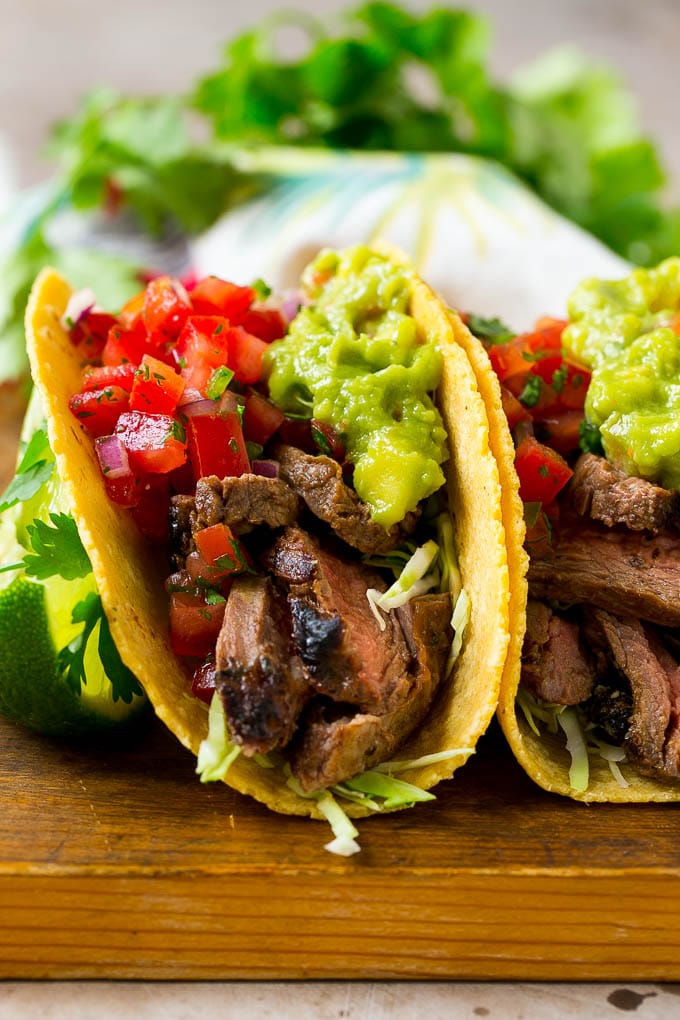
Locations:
(592, 708)
(338, 589)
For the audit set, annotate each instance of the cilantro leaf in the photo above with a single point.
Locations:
(71, 658)
(124, 684)
(490, 330)
(56, 550)
(34, 469)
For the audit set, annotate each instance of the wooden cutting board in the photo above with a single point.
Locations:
(115, 862)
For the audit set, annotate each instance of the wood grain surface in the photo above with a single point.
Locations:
(117, 862)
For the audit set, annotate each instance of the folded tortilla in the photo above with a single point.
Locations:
(130, 578)
(544, 757)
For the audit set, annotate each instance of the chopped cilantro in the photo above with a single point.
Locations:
(254, 450)
(492, 331)
(531, 393)
(559, 378)
(261, 289)
(590, 440)
(218, 382)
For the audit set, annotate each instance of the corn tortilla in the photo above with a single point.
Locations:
(130, 578)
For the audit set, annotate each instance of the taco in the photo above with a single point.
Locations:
(297, 475)
(591, 706)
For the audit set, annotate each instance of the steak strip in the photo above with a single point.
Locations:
(601, 491)
(335, 745)
(628, 574)
(554, 667)
(318, 480)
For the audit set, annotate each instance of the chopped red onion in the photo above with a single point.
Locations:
(266, 468)
(291, 302)
(113, 457)
(80, 303)
(229, 401)
(202, 406)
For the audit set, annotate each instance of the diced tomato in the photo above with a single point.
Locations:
(90, 333)
(99, 410)
(574, 385)
(222, 550)
(542, 472)
(561, 431)
(514, 411)
(216, 445)
(539, 536)
(123, 490)
(201, 348)
(151, 508)
(108, 375)
(123, 347)
(260, 419)
(166, 308)
(298, 432)
(245, 355)
(195, 622)
(130, 315)
(204, 680)
(330, 441)
(156, 443)
(156, 388)
(267, 323)
(213, 296)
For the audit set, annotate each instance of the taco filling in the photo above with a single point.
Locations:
(592, 403)
(286, 462)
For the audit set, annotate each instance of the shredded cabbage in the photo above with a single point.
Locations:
(344, 844)
(413, 580)
(216, 753)
(394, 792)
(390, 767)
(579, 771)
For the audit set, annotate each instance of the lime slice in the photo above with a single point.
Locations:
(31, 690)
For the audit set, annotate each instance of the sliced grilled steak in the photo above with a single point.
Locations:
(627, 573)
(260, 678)
(349, 658)
(601, 491)
(337, 743)
(318, 480)
(637, 652)
(246, 501)
(554, 667)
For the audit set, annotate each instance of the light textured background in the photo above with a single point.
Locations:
(51, 52)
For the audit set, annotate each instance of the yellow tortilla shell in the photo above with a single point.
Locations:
(130, 578)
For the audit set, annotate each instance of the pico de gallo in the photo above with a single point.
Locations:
(172, 392)
(543, 389)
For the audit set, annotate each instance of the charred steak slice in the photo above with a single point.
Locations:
(318, 480)
(637, 652)
(260, 678)
(349, 658)
(246, 501)
(601, 491)
(626, 573)
(336, 743)
(554, 667)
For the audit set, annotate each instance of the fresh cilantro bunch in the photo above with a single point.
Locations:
(421, 82)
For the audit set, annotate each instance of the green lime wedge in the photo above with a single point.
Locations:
(34, 625)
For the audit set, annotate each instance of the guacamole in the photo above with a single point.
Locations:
(353, 360)
(626, 331)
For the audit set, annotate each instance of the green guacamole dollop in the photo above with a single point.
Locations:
(622, 331)
(353, 360)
